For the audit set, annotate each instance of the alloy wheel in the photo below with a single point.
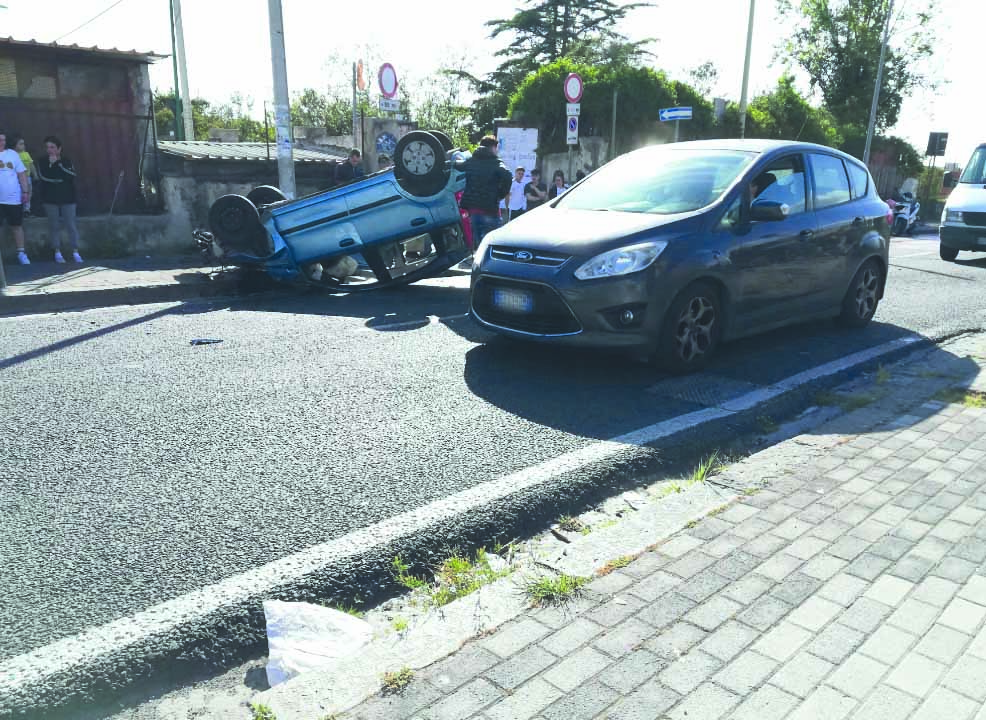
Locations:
(419, 158)
(866, 293)
(694, 332)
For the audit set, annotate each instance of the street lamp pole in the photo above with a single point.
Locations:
(879, 82)
(746, 69)
(282, 108)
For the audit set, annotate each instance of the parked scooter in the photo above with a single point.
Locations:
(906, 209)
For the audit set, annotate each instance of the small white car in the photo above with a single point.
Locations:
(963, 222)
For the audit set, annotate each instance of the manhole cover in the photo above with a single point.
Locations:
(702, 389)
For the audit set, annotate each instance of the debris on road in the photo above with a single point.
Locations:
(205, 341)
(303, 637)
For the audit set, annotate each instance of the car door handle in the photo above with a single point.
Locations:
(806, 234)
(858, 222)
(417, 222)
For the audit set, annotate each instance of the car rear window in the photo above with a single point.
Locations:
(975, 171)
(831, 183)
(860, 178)
(661, 180)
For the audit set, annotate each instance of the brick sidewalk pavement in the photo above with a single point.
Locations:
(852, 589)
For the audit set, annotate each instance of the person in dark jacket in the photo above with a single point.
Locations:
(487, 183)
(58, 196)
(351, 169)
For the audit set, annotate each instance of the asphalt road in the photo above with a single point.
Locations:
(136, 467)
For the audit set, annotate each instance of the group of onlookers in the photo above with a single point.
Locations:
(53, 175)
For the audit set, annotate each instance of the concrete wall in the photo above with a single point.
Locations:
(589, 154)
(105, 237)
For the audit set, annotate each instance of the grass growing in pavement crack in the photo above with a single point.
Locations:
(962, 396)
(397, 682)
(720, 509)
(620, 562)
(547, 591)
(711, 466)
(262, 712)
(455, 577)
(847, 403)
(882, 375)
(400, 624)
(570, 524)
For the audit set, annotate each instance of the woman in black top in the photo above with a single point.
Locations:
(58, 196)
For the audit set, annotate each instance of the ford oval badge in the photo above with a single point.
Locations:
(523, 256)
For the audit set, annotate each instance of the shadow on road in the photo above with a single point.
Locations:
(596, 394)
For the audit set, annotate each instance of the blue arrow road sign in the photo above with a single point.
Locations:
(676, 113)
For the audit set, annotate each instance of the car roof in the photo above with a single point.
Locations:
(756, 145)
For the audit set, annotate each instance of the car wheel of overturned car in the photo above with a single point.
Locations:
(691, 329)
(235, 223)
(863, 295)
(419, 163)
(900, 226)
(444, 139)
(265, 195)
(946, 253)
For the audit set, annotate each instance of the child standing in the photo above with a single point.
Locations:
(32, 172)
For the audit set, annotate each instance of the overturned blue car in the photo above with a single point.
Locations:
(390, 228)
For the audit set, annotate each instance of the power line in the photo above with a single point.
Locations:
(92, 19)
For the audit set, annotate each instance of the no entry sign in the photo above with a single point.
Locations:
(573, 87)
(388, 80)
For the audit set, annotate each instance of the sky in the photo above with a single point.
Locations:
(228, 46)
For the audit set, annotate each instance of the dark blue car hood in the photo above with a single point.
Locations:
(579, 232)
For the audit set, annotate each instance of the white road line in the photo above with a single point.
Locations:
(27, 670)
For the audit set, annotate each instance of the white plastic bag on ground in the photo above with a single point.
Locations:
(302, 637)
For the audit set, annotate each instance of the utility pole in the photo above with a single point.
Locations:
(179, 41)
(179, 126)
(879, 82)
(356, 140)
(282, 108)
(746, 69)
(612, 145)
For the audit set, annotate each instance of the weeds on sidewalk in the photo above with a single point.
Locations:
(547, 591)
(962, 396)
(620, 562)
(846, 403)
(570, 524)
(262, 712)
(400, 624)
(397, 682)
(710, 467)
(455, 577)
(882, 375)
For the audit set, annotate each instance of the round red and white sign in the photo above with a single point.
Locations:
(573, 87)
(388, 80)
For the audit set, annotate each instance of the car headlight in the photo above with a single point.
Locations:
(622, 261)
(954, 216)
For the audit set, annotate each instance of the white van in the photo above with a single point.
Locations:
(963, 222)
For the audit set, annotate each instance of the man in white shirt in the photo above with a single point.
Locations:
(517, 201)
(13, 195)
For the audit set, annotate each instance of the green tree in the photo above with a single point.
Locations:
(234, 114)
(837, 43)
(784, 114)
(312, 108)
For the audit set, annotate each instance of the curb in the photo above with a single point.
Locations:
(17, 304)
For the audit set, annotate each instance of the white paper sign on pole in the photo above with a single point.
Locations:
(517, 148)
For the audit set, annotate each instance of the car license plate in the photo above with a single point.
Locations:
(515, 301)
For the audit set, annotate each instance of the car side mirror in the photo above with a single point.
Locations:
(769, 211)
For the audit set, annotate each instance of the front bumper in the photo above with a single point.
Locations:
(550, 305)
(963, 237)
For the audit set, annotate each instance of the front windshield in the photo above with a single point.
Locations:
(662, 180)
(975, 171)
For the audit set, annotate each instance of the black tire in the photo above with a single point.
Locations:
(946, 253)
(900, 226)
(444, 139)
(265, 195)
(861, 299)
(692, 329)
(235, 223)
(419, 163)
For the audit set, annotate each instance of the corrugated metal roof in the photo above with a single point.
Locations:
(147, 57)
(210, 150)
